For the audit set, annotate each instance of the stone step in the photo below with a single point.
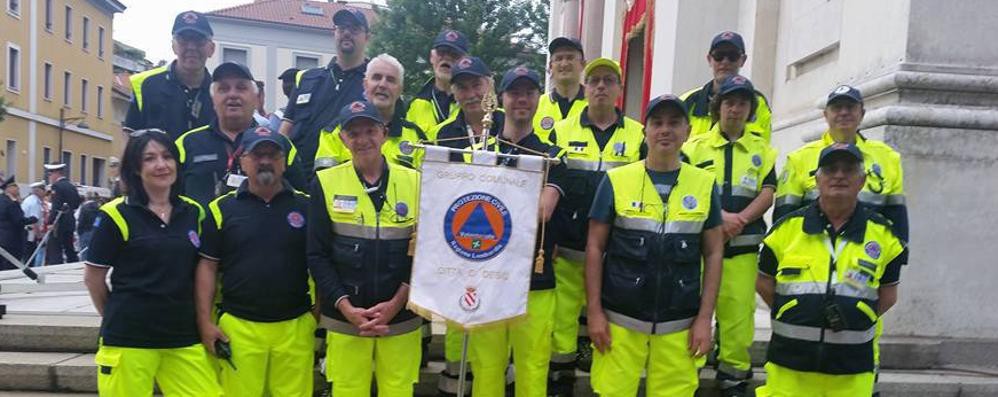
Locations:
(77, 333)
(75, 372)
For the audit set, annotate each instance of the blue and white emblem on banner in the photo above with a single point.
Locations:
(477, 226)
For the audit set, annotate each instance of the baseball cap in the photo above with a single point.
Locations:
(840, 150)
(192, 21)
(728, 37)
(517, 73)
(231, 68)
(257, 135)
(600, 62)
(846, 92)
(358, 110)
(288, 74)
(561, 42)
(736, 83)
(667, 100)
(471, 66)
(350, 16)
(453, 39)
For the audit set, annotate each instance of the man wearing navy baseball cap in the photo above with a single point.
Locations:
(470, 81)
(567, 97)
(176, 98)
(261, 250)
(726, 56)
(328, 87)
(362, 216)
(434, 103)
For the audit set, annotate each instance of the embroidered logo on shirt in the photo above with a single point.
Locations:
(296, 220)
(689, 202)
(873, 249)
(193, 236)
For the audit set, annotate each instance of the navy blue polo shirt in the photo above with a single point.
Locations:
(316, 101)
(151, 304)
(459, 128)
(260, 247)
(161, 100)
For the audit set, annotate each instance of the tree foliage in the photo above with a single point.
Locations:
(504, 33)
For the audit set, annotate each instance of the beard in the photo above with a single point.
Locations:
(266, 177)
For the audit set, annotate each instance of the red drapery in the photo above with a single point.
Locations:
(640, 17)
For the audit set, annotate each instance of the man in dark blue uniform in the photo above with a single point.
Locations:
(12, 222)
(320, 93)
(175, 98)
(65, 198)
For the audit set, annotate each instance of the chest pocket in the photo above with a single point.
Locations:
(795, 268)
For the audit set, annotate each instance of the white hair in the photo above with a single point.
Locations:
(391, 61)
(255, 88)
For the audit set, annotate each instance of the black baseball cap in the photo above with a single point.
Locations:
(231, 68)
(839, 150)
(452, 39)
(357, 110)
(728, 37)
(667, 100)
(288, 74)
(561, 42)
(350, 16)
(517, 73)
(192, 21)
(257, 135)
(846, 92)
(471, 66)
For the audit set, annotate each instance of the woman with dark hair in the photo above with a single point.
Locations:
(150, 237)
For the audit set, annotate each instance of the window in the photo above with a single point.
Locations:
(13, 67)
(48, 15)
(14, 7)
(86, 33)
(67, 79)
(100, 42)
(237, 55)
(11, 155)
(98, 172)
(84, 87)
(47, 75)
(303, 62)
(46, 155)
(67, 159)
(100, 102)
(309, 9)
(83, 169)
(69, 23)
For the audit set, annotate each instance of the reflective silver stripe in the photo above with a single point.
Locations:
(653, 226)
(648, 327)
(813, 334)
(818, 288)
(742, 191)
(895, 199)
(371, 232)
(811, 195)
(324, 162)
(584, 165)
(788, 200)
(733, 372)
(572, 255)
(563, 358)
(746, 240)
(871, 198)
(609, 165)
(343, 327)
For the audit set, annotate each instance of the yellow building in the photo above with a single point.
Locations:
(57, 65)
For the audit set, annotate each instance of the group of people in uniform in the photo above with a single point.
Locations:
(234, 242)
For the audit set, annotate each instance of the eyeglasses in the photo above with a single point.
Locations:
(136, 134)
(731, 56)
(271, 155)
(606, 80)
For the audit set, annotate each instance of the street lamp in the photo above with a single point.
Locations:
(62, 126)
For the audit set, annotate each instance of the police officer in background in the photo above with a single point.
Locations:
(65, 199)
(567, 97)
(599, 139)
(434, 103)
(320, 93)
(254, 238)
(176, 98)
(470, 81)
(726, 57)
(383, 84)
(828, 271)
(361, 217)
(743, 164)
(653, 223)
(209, 155)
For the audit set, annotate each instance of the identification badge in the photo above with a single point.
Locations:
(205, 157)
(749, 181)
(857, 278)
(344, 203)
(303, 98)
(234, 180)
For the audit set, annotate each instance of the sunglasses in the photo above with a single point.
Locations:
(136, 134)
(722, 55)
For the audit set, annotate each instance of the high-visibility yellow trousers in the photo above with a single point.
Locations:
(393, 361)
(530, 340)
(735, 315)
(785, 382)
(179, 372)
(272, 359)
(665, 359)
(570, 297)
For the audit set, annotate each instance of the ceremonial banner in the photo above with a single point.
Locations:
(475, 241)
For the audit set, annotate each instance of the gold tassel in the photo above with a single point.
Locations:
(539, 262)
(412, 244)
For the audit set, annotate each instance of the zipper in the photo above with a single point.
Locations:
(377, 250)
(728, 159)
(829, 293)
